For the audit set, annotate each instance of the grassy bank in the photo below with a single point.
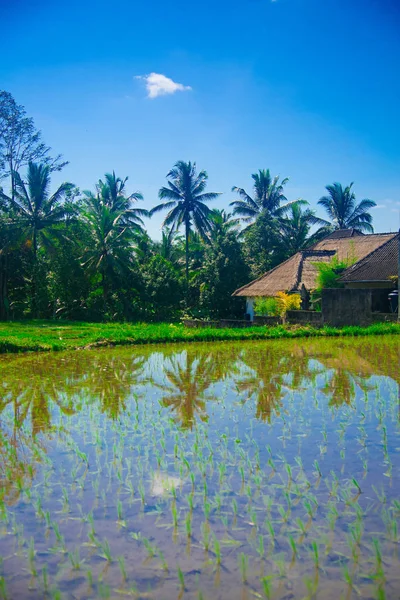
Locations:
(55, 335)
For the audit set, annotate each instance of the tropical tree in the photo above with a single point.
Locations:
(170, 245)
(112, 224)
(296, 225)
(112, 193)
(344, 212)
(223, 269)
(35, 213)
(185, 199)
(221, 224)
(267, 197)
(20, 141)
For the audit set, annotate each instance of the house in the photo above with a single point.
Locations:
(377, 269)
(376, 272)
(300, 269)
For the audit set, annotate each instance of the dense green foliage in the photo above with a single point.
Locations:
(86, 255)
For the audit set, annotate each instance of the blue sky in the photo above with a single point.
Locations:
(307, 88)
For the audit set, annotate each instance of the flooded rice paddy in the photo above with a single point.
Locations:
(223, 471)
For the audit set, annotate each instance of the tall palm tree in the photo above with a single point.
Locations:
(340, 204)
(36, 211)
(112, 224)
(185, 200)
(296, 225)
(267, 197)
(112, 193)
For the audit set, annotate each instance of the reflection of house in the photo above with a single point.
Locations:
(300, 269)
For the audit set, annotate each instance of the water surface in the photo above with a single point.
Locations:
(228, 470)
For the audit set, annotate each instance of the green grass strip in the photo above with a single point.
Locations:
(41, 336)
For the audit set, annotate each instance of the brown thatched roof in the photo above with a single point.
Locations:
(379, 265)
(299, 269)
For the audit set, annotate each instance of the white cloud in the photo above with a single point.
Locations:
(378, 206)
(160, 85)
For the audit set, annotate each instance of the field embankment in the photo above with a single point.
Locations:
(35, 336)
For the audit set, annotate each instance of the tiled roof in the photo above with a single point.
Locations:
(299, 269)
(379, 265)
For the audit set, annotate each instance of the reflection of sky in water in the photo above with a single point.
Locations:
(226, 420)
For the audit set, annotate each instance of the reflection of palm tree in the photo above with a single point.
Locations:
(262, 376)
(110, 382)
(34, 400)
(267, 391)
(188, 377)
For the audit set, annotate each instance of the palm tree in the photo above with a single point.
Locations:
(296, 224)
(111, 193)
(169, 246)
(343, 211)
(36, 212)
(267, 197)
(185, 200)
(112, 225)
(221, 224)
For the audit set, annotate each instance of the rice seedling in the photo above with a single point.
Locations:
(293, 546)
(357, 485)
(181, 578)
(266, 586)
(122, 567)
(31, 557)
(205, 530)
(75, 559)
(105, 551)
(217, 550)
(315, 554)
(3, 589)
(243, 566)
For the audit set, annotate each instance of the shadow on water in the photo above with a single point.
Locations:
(238, 470)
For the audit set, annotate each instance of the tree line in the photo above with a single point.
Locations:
(86, 255)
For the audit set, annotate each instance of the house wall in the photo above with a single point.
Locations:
(250, 307)
(354, 306)
(346, 307)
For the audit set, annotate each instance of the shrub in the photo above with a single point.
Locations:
(267, 307)
(288, 302)
(328, 277)
(277, 306)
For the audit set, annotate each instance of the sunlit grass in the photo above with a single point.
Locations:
(63, 335)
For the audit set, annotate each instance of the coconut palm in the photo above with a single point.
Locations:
(109, 246)
(340, 204)
(35, 212)
(113, 223)
(185, 200)
(169, 246)
(267, 197)
(296, 225)
(112, 193)
(221, 223)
